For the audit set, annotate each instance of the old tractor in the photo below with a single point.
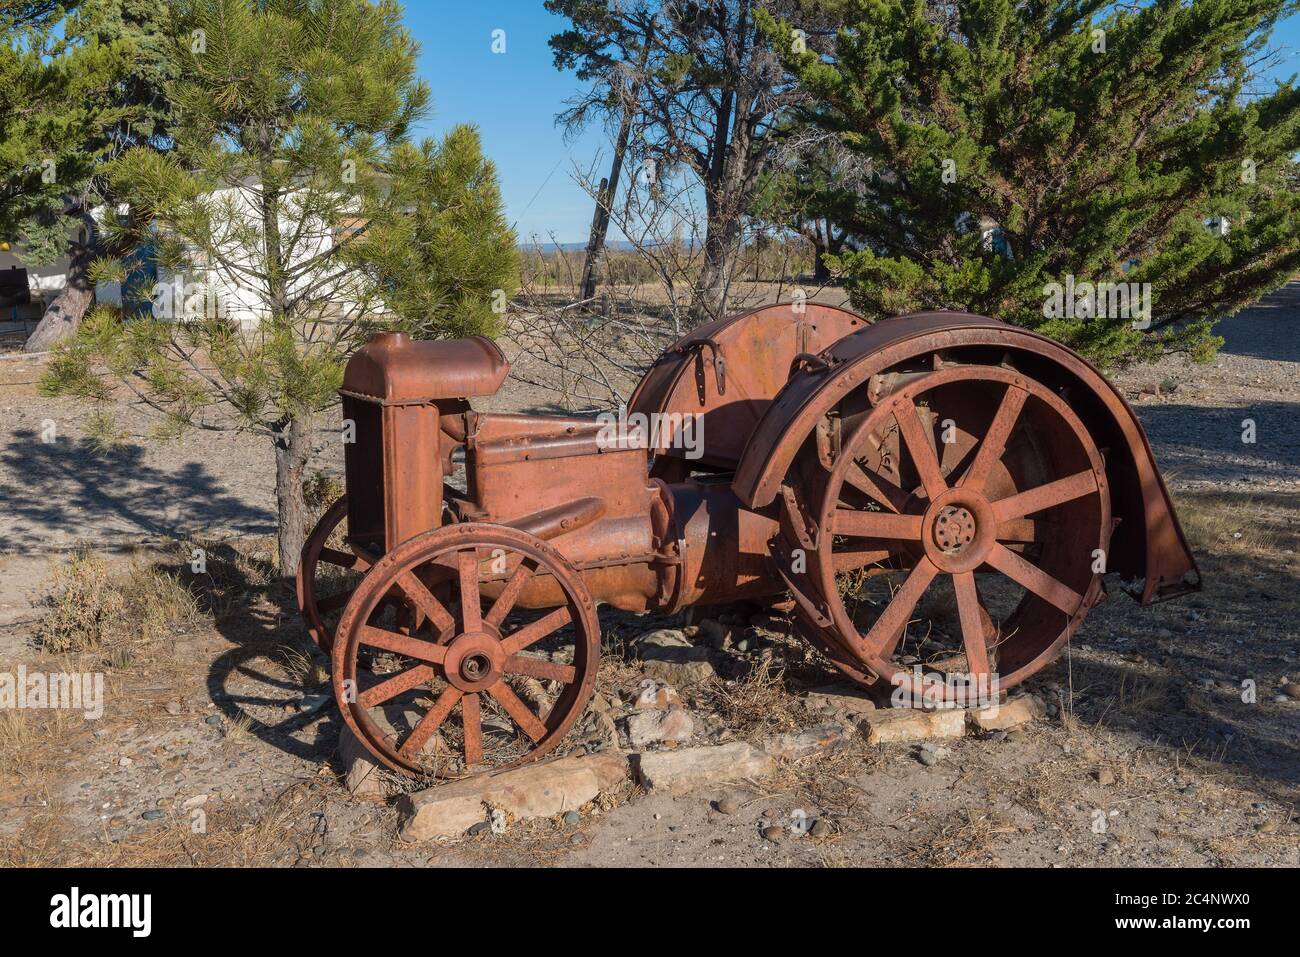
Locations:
(936, 468)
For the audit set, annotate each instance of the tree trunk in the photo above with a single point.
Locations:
(69, 306)
(292, 450)
(609, 186)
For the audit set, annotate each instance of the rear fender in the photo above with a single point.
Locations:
(1148, 544)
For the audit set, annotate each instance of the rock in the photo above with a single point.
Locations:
(1280, 699)
(728, 805)
(652, 695)
(314, 702)
(189, 804)
(929, 758)
(212, 719)
(479, 828)
(1291, 689)
(173, 708)
(839, 698)
(1017, 737)
(116, 822)
(534, 790)
(1105, 777)
(154, 815)
(571, 818)
(1011, 714)
(362, 774)
(774, 834)
(906, 725)
(800, 744)
(683, 770)
(666, 654)
(124, 762)
(716, 633)
(820, 828)
(645, 728)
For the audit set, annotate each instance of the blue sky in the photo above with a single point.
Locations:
(513, 98)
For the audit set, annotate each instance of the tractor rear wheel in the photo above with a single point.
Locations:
(960, 527)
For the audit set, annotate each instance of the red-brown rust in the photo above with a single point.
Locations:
(807, 413)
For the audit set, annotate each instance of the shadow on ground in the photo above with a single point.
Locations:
(111, 493)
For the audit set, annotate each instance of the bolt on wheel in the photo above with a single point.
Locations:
(486, 660)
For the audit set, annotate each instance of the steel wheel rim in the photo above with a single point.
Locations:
(916, 530)
(469, 664)
(315, 550)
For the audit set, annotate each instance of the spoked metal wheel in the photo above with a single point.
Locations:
(328, 573)
(972, 485)
(458, 678)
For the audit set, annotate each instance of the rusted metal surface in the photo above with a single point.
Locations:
(940, 455)
(729, 370)
(1149, 543)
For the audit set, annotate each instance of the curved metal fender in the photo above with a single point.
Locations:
(1148, 543)
(728, 371)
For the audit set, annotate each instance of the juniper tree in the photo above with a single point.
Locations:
(52, 120)
(291, 218)
(134, 101)
(1024, 148)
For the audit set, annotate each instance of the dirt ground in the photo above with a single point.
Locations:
(216, 747)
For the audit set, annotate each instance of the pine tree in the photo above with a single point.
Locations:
(290, 220)
(1028, 153)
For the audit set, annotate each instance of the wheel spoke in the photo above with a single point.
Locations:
(473, 728)
(333, 602)
(873, 486)
(887, 630)
(887, 525)
(430, 723)
(994, 442)
(510, 594)
(1046, 496)
(537, 630)
(1035, 579)
(972, 623)
(402, 645)
(523, 717)
(470, 612)
(1020, 530)
(849, 559)
(344, 559)
(390, 688)
(539, 668)
(917, 439)
(424, 600)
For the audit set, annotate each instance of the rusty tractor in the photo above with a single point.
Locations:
(848, 469)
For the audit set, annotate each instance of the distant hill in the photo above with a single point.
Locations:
(619, 246)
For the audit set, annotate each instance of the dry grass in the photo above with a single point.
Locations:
(231, 836)
(91, 609)
(759, 702)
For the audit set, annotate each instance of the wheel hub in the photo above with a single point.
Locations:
(958, 530)
(474, 661)
(954, 529)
